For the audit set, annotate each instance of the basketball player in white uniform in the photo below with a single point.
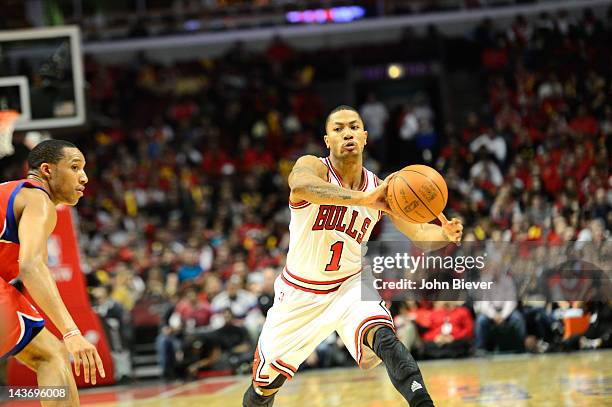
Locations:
(335, 203)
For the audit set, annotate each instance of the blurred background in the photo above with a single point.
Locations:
(191, 114)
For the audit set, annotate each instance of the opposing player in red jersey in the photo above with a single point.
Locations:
(27, 218)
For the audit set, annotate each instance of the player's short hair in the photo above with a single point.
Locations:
(48, 151)
(339, 108)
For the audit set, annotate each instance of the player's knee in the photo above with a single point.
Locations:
(381, 336)
(393, 353)
(271, 388)
(57, 360)
(45, 350)
(55, 350)
(265, 392)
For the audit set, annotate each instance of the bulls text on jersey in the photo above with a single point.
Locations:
(333, 217)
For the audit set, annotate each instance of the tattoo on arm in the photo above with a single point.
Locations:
(307, 182)
(324, 191)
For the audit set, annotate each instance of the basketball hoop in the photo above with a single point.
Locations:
(7, 125)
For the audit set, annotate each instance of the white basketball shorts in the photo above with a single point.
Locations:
(301, 319)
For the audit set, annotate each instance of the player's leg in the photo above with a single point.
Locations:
(264, 385)
(262, 395)
(401, 366)
(280, 351)
(294, 327)
(25, 337)
(48, 357)
(367, 330)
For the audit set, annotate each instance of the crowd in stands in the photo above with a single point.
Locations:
(184, 225)
(533, 167)
(120, 20)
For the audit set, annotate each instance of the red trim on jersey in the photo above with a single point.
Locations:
(287, 365)
(36, 184)
(359, 337)
(287, 375)
(256, 363)
(303, 280)
(336, 174)
(334, 171)
(309, 290)
(364, 183)
(261, 384)
(283, 368)
(333, 174)
(298, 205)
(14, 306)
(376, 184)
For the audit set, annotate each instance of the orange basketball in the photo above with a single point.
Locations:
(417, 193)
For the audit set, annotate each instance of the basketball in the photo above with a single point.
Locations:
(417, 193)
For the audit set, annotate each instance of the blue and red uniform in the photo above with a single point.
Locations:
(20, 322)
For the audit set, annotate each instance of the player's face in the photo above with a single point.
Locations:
(346, 135)
(68, 178)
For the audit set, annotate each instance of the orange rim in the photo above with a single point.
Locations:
(7, 119)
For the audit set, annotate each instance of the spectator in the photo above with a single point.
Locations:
(486, 170)
(494, 145)
(117, 326)
(242, 303)
(168, 344)
(193, 311)
(598, 334)
(228, 347)
(499, 324)
(127, 287)
(375, 114)
(190, 268)
(538, 326)
(450, 332)
(411, 318)
(266, 294)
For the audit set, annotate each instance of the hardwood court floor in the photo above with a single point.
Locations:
(557, 380)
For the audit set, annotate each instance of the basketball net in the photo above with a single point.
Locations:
(7, 125)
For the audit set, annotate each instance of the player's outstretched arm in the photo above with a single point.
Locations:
(35, 226)
(428, 236)
(307, 183)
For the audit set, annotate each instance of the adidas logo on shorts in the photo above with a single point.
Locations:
(415, 386)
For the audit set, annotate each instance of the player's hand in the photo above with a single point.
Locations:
(453, 229)
(192, 370)
(84, 353)
(377, 198)
(388, 177)
(440, 340)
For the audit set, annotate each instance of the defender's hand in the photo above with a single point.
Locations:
(84, 352)
(377, 198)
(453, 229)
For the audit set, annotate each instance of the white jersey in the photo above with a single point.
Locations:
(325, 240)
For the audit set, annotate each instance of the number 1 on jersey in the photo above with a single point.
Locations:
(334, 263)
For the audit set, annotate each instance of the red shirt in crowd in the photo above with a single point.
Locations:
(460, 322)
(200, 311)
(584, 124)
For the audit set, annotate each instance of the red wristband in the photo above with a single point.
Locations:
(71, 334)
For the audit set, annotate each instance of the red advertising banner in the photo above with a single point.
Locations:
(64, 262)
